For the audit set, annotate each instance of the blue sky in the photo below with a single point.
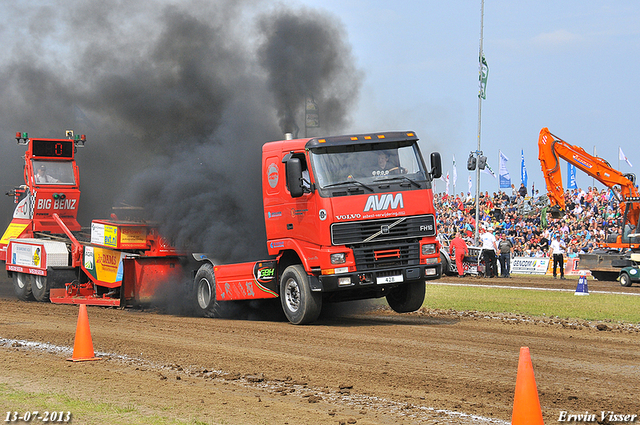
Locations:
(571, 66)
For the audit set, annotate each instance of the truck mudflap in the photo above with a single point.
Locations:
(246, 281)
(379, 278)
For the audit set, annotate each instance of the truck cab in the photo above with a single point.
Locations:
(355, 213)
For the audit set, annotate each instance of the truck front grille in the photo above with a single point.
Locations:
(381, 230)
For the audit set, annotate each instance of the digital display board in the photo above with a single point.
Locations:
(52, 148)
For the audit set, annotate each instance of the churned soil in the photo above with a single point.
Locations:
(360, 363)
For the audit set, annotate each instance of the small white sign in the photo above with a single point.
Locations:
(389, 279)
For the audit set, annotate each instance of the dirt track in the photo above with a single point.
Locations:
(371, 367)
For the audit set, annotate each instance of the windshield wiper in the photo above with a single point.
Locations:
(348, 182)
(415, 183)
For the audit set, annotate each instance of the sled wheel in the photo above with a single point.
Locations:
(22, 286)
(40, 288)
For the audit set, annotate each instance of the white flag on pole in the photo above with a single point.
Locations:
(488, 170)
(623, 157)
(447, 181)
(455, 171)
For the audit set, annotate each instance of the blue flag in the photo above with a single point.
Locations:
(523, 169)
(571, 176)
(505, 177)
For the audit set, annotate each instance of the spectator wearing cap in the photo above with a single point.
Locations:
(558, 248)
(505, 248)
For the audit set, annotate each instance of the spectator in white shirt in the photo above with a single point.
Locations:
(558, 247)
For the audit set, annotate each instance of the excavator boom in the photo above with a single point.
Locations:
(551, 148)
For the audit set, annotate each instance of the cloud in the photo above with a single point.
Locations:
(559, 39)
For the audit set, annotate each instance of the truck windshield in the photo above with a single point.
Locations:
(367, 164)
(48, 172)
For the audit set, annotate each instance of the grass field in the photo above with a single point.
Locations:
(595, 306)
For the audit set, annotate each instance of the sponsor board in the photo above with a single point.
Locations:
(571, 267)
(535, 265)
(13, 231)
(26, 255)
(104, 265)
(133, 237)
(529, 265)
(104, 234)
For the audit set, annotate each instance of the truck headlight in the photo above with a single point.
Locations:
(338, 258)
(428, 249)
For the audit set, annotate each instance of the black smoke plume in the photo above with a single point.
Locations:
(305, 56)
(176, 99)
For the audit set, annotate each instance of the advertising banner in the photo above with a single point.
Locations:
(529, 265)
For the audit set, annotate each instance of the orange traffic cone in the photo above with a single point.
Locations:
(526, 405)
(83, 346)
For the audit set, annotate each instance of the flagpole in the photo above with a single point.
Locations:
(479, 124)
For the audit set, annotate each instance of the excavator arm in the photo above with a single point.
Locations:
(551, 148)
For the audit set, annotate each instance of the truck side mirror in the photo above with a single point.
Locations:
(436, 165)
(294, 177)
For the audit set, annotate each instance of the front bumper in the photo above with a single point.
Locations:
(374, 279)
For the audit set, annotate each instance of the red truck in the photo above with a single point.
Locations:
(347, 218)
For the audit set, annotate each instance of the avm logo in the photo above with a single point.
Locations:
(384, 202)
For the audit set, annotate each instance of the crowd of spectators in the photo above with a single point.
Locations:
(524, 219)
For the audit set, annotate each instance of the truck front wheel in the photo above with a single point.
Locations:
(407, 297)
(40, 288)
(299, 303)
(204, 292)
(22, 286)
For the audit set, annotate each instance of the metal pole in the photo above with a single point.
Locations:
(479, 123)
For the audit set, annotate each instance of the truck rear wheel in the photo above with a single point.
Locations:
(22, 286)
(299, 303)
(40, 288)
(407, 297)
(204, 292)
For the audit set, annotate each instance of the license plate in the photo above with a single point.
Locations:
(389, 279)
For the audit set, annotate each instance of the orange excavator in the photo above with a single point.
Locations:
(605, 262)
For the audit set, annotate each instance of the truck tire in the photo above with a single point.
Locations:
(299, 303)
(625, 280)
(22, 286)
(204, 292)
(40, 288)
(407, 297)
